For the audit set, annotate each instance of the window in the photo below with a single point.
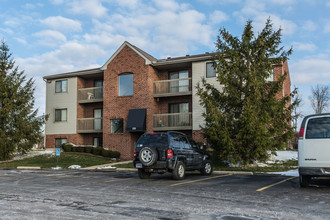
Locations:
(97, 142)
(180, 85)
(179, 119)
(271, 76)
(61, 86)
(179, 107)
(210, 70)
(61, 114)
(98, 91)
(60, 141)
(98, 119)
(318, 128)
(126, 84)
(116, 126)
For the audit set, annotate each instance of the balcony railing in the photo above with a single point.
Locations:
(90, 125)
(89, 95)
(172, 121)
(173, 87)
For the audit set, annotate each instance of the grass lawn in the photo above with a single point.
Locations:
(278, 167)
(65, 160)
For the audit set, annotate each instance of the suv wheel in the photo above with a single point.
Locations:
(304, 180)
(179, 171)
(148, 156)
(143, 174)
(207, 168)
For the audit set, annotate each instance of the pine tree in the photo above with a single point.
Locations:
(246, 118)
(20, 128)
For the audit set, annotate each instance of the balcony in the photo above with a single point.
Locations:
(90, 125)
(173, 87)
(172, 121)
(90, 95)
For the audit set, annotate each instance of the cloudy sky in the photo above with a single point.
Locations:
(56, 36)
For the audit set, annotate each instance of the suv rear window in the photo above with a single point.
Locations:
(148, 139)
(318, 128)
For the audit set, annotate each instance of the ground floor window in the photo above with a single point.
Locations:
(97, 142)
(117, 126)
(60, 141)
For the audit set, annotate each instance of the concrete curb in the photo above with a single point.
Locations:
(233, 172)
(214, 172)
(28, 168)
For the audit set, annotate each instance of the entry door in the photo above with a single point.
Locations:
(98, 91)
(178, 119)
(98, 119)
(181, 85)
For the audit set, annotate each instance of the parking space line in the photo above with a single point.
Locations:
(193, 181)
(266, 187)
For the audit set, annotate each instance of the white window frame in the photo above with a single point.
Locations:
(63, 88)
(64, 114)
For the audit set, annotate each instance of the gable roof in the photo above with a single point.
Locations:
(147, 57)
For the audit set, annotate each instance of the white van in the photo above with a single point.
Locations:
(314, 148)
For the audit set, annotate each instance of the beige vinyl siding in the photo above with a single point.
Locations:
(61, 100)
(198, 72)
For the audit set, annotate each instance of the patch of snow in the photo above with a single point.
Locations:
(74, 167)
(283, 156)
(287, 173)
(106, 167)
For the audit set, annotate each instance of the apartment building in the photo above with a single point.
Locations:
(132, 93)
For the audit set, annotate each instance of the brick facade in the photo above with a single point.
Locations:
(129, 60)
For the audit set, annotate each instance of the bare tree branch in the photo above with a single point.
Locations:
(320, 98)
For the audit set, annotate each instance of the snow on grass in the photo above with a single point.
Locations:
(106, 167)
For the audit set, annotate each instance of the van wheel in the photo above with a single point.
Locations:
(143, 174)
(179, 171)
(148, 156)
(207, 168)
(304, 180)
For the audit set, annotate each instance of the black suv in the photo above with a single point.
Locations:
(170, 152)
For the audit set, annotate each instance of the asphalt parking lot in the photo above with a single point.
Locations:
(48, 194)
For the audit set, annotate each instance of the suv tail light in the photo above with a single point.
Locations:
(169, 153)
(301, 132)
(135, 154)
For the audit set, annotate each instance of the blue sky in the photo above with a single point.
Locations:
(57, 36)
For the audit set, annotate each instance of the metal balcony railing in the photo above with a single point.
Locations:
(89, 95)
(90, 125)
(172, 121)
(173, 87)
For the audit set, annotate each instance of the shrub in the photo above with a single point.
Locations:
(67, 147)
(115, 154)
(106, 153)
(80, 149)
(89, 149)
(97, 151)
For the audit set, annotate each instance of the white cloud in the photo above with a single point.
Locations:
(326, 28)
(170, 5)
(62, 24)
(310, 71)
(177, 30)
(21, 40)
(56, 2)
(93, 8)
(310, 47)
(217, 17)
(309, 26)
(50, 37)
(256, 11)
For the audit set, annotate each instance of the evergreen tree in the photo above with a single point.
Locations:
(20, 128)
(246, 117)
